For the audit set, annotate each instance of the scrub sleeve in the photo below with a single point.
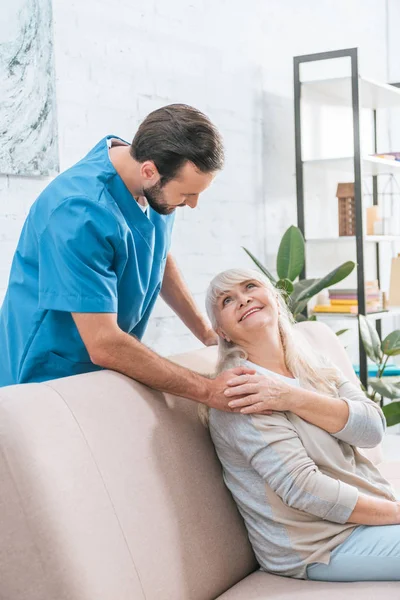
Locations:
(76, 253)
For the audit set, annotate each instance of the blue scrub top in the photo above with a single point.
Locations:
(86, 246)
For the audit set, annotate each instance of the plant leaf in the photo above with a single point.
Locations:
(341, 331)
(299, 318)
(298, 307)
(286, 285)
(391, 344)
(370, 339)
(386, 390)
(300, 286)
(392, 413)
(290, 259)
(333, 277)
(260, 266)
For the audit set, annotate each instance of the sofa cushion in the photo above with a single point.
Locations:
(391, 471)
(262, 586)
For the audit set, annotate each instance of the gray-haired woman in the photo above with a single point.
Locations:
(313, 505)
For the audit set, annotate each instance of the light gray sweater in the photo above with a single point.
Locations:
(295, 484)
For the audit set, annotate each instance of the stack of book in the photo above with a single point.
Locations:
(388, 155)
(344, 301)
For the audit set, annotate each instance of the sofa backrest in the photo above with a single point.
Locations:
(111, 491)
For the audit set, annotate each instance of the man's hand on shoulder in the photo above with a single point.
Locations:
(216, 396)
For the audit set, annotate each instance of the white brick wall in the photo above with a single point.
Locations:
(115, 62)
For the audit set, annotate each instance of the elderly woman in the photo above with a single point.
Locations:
(313, 505)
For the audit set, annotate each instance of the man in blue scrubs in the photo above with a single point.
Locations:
(93, 257)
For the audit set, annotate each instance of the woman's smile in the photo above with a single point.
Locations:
(250, 311)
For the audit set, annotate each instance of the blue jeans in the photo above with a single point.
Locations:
(370, 553)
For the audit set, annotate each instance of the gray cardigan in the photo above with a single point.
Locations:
(295, 484)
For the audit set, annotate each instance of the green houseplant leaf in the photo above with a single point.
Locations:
(299, 318)
(290, 259)
(391, 344)
(392, 413)
(300, 286)
(260, 266)
(386, 390)
(286, 285)
(298, 307)
(333, 277)
(370, 339)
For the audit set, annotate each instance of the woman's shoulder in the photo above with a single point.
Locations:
(230, 425)
(221, 419)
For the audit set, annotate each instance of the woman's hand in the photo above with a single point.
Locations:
(259, 394)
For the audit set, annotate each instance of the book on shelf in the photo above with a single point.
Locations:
(347, 310)
(369, 301)
(330, 308)
(371, 284)
(344, 309)
(372, 293)
(345, 300)
(388, 155)
(353, 294)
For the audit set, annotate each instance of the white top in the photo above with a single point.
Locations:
(291, 380)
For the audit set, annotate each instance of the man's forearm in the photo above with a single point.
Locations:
(127, 355)
(176, 294)
(330, 414)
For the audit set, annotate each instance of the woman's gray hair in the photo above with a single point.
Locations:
(301, 359)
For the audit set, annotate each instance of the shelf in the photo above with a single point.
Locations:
(352, 238)
(392, 312)
(337, 92)
(370, 164)
(331, 100)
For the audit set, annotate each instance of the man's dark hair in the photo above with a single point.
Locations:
(172, 135)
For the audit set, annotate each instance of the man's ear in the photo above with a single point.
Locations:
(149, 172)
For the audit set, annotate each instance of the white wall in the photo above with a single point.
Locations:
(115, 62)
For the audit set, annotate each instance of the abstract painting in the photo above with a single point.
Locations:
(28, 127)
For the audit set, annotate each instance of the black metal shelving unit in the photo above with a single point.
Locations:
(352, 54)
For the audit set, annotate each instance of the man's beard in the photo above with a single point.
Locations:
(155, 197)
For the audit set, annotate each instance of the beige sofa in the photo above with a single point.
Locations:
(111, 491)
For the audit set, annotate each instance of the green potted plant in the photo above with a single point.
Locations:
(289, 265)
(379, 352)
